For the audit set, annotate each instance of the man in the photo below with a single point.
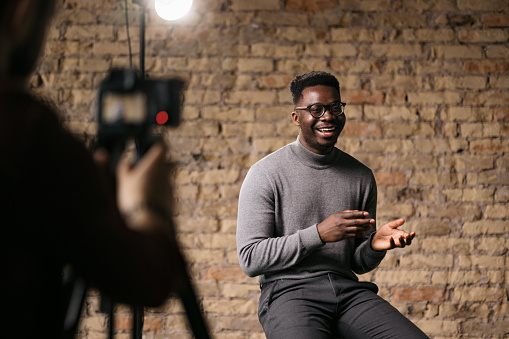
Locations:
(306, 223)
(57, 206)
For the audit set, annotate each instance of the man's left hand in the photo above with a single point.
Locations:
(388, 236)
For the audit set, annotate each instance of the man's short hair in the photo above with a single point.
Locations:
(313, 78)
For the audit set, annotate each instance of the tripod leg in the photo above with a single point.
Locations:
(137, 322)
(111, 323)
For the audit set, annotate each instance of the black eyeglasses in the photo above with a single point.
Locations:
(318, 110)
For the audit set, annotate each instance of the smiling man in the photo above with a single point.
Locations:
(306, 225)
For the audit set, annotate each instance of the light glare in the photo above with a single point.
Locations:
(172, 9)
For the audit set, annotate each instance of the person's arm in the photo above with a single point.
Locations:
(134, 262)
(259, 248)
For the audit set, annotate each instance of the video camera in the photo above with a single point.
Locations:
(128, 107)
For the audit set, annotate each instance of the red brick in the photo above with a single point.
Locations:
(248, 323)
(486, 66)
(209, 5)
(242, 5)
(225, 274)
(396, 19)
(396, 98)
(310, 5)
(391, 178)
(457, 51)
(274, 81)
(356, 34)
(488, 330)
(152, 324)
(495, 20)
(487, 146)
(487, 98)
(486, 5)
(354, 128)
(106, 4)
(362, 97)
(424, 293)
(321, 35)
(396, 51)
(123, 323)
(429, 5)
(501, 113)
(355, 66)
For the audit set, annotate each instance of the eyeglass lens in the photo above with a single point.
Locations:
(317, 110)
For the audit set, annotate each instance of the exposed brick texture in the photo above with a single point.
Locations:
(427, 88)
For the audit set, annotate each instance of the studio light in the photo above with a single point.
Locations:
(172, 9)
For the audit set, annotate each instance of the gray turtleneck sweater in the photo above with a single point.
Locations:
(282, 199)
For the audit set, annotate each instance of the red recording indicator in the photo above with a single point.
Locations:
(162, 118)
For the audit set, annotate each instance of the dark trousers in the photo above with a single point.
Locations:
(328, 307)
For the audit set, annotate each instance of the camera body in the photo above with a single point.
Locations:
(129, 106)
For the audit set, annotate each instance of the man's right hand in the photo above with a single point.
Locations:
(344, 225)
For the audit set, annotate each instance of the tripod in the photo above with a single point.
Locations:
(187, 294)
(75, 287)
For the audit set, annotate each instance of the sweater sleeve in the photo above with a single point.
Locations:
(365, 258)
(259, 250)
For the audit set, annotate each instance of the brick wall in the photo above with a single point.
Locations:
(427, 87)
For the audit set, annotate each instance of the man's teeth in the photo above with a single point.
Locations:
(326, 129)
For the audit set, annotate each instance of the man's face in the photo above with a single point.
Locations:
(318, 135)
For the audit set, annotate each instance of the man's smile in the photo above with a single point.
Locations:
(326, 131)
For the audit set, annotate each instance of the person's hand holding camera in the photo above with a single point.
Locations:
(144, 197)
(143, 190)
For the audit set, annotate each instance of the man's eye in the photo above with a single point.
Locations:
(316, 109)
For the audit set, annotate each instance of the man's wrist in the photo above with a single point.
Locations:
(319, 236)
(371, 238)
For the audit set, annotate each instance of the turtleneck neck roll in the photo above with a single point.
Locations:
(314, 160)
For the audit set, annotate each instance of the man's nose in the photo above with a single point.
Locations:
(327, 115)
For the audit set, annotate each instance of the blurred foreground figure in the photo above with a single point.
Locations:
(57, 206)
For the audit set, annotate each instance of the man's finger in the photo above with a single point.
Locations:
(395, 223)
(357, 230)
(353, 214)
(408, 239)
(361, 222)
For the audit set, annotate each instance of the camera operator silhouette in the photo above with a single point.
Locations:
(58, 205)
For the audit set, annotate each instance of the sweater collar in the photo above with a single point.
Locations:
(312, 159)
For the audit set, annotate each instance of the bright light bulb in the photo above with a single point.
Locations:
(172, 9)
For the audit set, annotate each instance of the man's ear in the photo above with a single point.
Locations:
(295, 119)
